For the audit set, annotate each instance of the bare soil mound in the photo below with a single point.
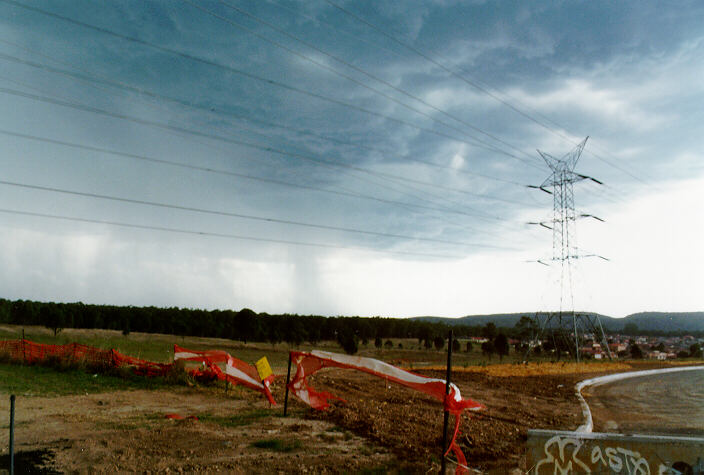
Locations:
(410, 424)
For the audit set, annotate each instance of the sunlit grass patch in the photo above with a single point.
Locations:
(237, 420)
(45, 381)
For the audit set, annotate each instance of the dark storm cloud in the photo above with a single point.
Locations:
(416, 152)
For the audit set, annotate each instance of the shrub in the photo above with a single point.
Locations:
(178, 375)
(5, 356)
(349, 342)
(501, 345)
(636, 352)
(278, 445)
(62, 364)
(488, 349)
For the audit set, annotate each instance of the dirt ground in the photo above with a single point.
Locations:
(409, 424)
(380, 428)
(129, 431)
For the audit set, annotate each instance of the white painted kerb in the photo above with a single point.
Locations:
(588, 425)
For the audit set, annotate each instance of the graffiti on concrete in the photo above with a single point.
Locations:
(561, 456)
(620, 459)
(559, 452)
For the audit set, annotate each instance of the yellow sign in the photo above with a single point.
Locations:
(263, 368)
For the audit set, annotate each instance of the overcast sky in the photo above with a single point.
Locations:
(349, 158)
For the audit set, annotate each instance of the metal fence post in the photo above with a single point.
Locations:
(12, 434)
(446, 416)
(288, 378)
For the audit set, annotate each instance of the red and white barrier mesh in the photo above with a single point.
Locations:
(308, 363)
(30, 352)
(236, 371)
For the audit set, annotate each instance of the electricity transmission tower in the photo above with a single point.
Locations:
(564, 251)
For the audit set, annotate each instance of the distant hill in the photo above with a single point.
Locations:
(667, 321)
(646, 321)
(498, 319)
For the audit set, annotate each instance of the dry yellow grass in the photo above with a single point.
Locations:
(548, 368)
(685, 362)
(540, 369)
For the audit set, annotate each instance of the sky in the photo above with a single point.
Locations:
(350, 157)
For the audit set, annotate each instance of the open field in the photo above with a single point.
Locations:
(159, 347)
(79, 421)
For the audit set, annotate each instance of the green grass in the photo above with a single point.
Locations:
(42, 381)
(159, 347)
(133, 425)
(278, 445)
(143, 346)
(237, 420)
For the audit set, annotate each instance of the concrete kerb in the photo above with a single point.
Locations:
(588, 425)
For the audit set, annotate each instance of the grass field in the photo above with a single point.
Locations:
(407, 353)
(159, 347)
(110, 421)
(45, 381)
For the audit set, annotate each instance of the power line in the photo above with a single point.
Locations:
(299, 155)
(386, 183)
(294, 89)
(433, 208)
(240, 215)
(229, 173)
(387, 177)
(368, 179)
(257, 77)
(443, 209)
(159, 161)
(221, 235)
(95, 110)
(473, 83)
(351, 66)
(480, 88)
(334, 28)
(141, 91)
(211, 110)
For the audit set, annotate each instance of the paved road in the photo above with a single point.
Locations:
(667, 404)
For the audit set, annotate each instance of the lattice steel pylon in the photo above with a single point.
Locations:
(564, 252)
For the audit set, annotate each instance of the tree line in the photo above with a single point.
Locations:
(243, 325)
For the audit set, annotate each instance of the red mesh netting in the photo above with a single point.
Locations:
(32, 353)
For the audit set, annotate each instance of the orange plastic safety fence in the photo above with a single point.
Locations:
(30, 352)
